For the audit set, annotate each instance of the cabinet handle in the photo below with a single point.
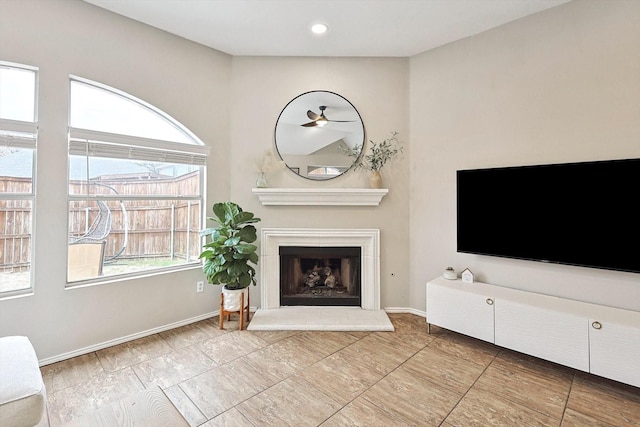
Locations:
(489, 301)
(596, 325)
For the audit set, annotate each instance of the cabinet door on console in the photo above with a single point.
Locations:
(615, 351)
(548, 334)
(460, 310)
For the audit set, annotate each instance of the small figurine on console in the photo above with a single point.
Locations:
(467, 276)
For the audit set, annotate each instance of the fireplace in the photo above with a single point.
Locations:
(325, 276)
(367, 241)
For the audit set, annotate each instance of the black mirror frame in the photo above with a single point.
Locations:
(292, 169)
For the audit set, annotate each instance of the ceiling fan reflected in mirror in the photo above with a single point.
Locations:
(321, 119)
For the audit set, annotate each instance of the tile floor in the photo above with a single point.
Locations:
(305, 378)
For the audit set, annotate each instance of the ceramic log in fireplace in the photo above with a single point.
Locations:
(324, 276)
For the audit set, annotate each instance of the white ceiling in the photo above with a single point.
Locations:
(386, 28)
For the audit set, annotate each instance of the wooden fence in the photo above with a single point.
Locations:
(15, 235)
(139, 228)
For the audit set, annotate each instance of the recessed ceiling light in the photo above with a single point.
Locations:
(319, 28)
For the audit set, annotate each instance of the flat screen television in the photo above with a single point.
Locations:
(583, 214)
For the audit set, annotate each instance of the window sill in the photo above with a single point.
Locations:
(105, 280)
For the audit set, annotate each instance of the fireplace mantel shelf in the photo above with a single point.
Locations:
(320, 196)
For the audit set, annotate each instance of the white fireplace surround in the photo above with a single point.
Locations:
(368, 240)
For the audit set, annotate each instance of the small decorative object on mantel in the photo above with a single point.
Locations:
(467, 276)
(375, 180)
(262, 182)
(269, 164)
(379, 155)
(450, 274)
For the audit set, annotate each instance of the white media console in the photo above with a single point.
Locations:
(592, 338)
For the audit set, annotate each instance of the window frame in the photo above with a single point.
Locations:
(99, 144)
(27, 138)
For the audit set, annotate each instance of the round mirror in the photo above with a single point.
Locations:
(316, 132)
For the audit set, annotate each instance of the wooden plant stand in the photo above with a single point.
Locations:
(224, 312)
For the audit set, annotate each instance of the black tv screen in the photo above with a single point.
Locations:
(583, 214)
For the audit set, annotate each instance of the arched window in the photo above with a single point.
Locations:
(136, 179)
(18, 136)
(325, 172)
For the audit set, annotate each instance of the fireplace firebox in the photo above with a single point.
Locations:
(321, 276)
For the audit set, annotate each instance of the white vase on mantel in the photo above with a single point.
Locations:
(262, 182)
(375, 180)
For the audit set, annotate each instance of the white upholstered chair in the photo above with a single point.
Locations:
(22, 392)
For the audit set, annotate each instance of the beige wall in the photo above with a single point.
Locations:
(186, 80)
(262, 87)
(559, 86)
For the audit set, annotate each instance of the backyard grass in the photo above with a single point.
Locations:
(20, 280)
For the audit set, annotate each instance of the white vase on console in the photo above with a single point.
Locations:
(450, 274)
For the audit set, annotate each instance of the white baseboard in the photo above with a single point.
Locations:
(406, 310)
(142, 334)
(127, 338)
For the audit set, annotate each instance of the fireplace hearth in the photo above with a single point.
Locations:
(320, 276)
(272, 317)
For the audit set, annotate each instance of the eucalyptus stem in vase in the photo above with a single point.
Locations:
(380, 153)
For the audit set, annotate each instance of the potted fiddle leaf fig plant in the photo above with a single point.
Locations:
(229, 253)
